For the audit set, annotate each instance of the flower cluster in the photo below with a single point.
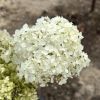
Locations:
(5, 41)
(51, 48)
(11, 87)
(6, 88)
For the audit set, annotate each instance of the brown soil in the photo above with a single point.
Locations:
(15, 13)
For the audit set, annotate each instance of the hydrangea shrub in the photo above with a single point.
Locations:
(50, 49)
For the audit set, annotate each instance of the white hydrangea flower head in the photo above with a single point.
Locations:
(5, 37)
(5, 41)
(50, 48)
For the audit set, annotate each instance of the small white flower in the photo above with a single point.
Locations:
(2, 70)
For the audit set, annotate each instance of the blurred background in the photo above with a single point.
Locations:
(83, 13)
